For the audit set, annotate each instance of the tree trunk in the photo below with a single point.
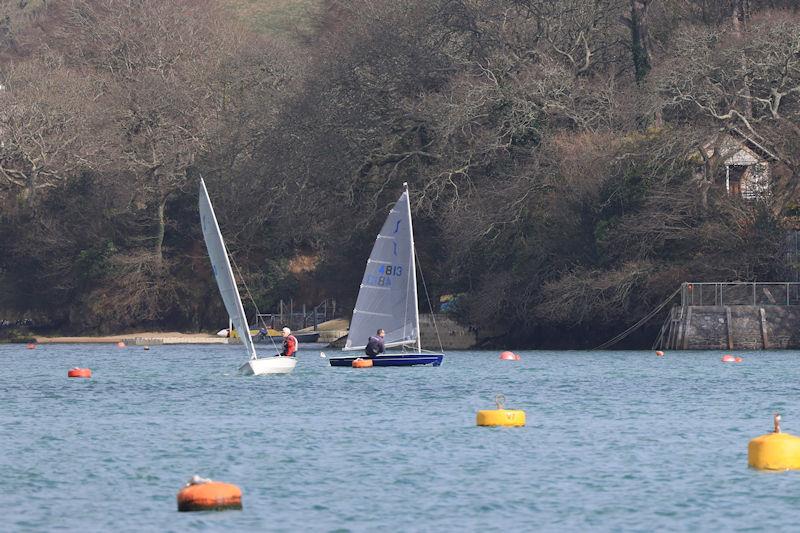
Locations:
(739, 21)
(162, 226)
(31, 188)
(740, 16)
(640, 37)
(704, 188)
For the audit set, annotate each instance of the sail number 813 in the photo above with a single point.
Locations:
(391, 270)
(383, 276)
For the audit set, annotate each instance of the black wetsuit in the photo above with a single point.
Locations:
(374, 346)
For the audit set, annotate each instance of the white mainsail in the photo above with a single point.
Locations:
(223, 272)
(387, 298)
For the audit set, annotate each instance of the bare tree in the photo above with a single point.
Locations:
(51, 128)
(749, 84)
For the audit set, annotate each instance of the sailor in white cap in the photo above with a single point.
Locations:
(289, 343)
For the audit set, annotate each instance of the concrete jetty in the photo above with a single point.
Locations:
(728, 316)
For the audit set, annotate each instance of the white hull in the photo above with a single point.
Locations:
(268, 365)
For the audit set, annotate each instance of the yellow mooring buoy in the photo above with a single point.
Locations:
(774, 451)
(501, 416)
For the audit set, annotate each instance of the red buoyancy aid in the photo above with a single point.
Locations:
(289, 346)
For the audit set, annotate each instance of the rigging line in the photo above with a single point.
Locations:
(636, 326)
(409, 288)
(252, 300)
(427, 297)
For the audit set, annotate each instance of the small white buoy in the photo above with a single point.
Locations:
(222, 333)
(322, 354)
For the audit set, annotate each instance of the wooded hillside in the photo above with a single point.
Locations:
(569, 161)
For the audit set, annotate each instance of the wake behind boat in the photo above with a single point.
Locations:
(387, 298)
(223, 273)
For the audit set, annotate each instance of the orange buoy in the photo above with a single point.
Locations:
(120, 344)
(738, 360)
(206, 495)
(659, 353)
(362, 363)
(509, 356)
(31, 346)
(79, 372)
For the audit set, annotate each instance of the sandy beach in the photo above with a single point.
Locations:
(187, 337)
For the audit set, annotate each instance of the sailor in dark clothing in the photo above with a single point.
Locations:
(375, 344)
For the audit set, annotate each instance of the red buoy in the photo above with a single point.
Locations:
(31, 346)
(120, 344)
(208, 495)
(728, 358)
(509, 356)
(659, 353)
(79, 373)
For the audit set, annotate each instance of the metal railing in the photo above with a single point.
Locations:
(740, 293)
(299, 318)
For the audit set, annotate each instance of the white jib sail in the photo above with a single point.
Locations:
(387, 298)
(223, 273)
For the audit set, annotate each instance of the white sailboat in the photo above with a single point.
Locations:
(387, 297)
(223, 273)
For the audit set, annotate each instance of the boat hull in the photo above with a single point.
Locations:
(268, 365)
(301, 338)
(400, 359)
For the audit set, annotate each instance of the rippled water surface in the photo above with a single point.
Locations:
(614, 441)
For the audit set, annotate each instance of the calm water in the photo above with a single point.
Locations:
(614, 441)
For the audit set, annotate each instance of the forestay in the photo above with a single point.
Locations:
(387, 298)
(223, 272)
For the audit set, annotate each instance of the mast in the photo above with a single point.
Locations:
(413, 269)
(223, 273)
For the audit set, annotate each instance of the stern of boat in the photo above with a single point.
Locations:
(268, 365)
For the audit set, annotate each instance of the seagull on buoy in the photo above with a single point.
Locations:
(197, 480)
(777, 421)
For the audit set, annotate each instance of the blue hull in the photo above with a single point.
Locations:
(401, 359)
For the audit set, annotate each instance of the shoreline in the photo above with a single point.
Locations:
(150, 337)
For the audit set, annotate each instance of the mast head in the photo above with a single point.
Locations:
(405, 185)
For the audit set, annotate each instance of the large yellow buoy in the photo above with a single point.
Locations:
(501, 416)
(201, 494)
(774, 451)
